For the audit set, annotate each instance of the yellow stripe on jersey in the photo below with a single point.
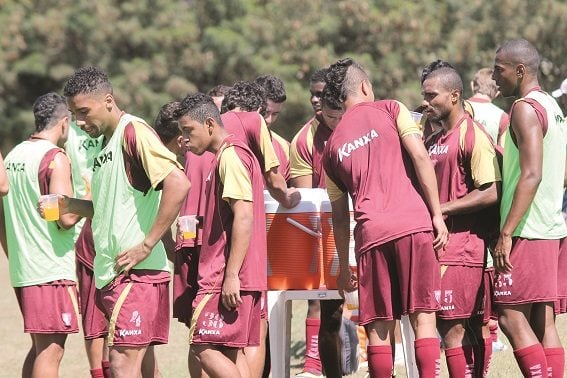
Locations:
(284, 143)
(406, 125)
(267, 148)
(333, 190)
(234, 176)
(157, 160)
(484, 164)
(298, 167)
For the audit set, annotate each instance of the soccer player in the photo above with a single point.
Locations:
(275, 99)
(491, 117)
(323, 322)
(233, 259)
(40, 253)
(526, 254)
(467, 175)
(129, 218)
(375, 155)
(217, 93)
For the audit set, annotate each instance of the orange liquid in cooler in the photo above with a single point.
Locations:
(51, 213)
(189, 235)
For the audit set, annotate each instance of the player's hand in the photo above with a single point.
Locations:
(501, 254)
(230, 293)
(346, 281)
(292, 198)
(130, 258)
(62, 203)
(441, 233)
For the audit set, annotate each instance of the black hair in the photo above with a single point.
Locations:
(218, 90)
(198, 107)
(165, 124)
(48, 109)
(87, 80)
(274, 87)
(435, 65)
(246, 95)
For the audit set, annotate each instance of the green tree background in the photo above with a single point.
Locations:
(158, 50)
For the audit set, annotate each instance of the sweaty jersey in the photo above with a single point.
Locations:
(251, 129)
(127, 176)
(235, 175)
(494, 120)
(306, 152)
(281, 147)
(39, 251)
(364, 157)
(457, 175)
(543, 219)
(197, 169)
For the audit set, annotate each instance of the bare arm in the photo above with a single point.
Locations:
(242, 225)
(529, 138)
(4, 185)
(426, 176)
(476, 200)
(174, 190)
(346, 281)
(302, 181)
(60, 183)
(276, 185)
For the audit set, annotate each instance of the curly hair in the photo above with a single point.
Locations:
(198, 107)
(218, 90)
(48, 109)
(343, 78)
(246, 95)
(165, 124)
(330, 102)
(87, 80)
(318, 76)
(273, 86)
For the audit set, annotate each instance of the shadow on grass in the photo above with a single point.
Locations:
(297, 354)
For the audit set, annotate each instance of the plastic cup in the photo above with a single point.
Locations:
(188, 226)
(416, 117)
(351, 299)
(50, 205)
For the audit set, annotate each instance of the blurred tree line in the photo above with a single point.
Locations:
(158, 50)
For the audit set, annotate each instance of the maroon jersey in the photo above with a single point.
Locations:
(365, 157)
(235, 175)
(456, 177)
(281, 147)
(196, 168)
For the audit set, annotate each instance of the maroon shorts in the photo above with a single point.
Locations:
(214, 324)
(561, 303)
(462, 292)
(489, 308)
(49, 308)
(534, 274)
(264, 306)
(398, 278)
(93, 320)
(185, 283)
(138, 312)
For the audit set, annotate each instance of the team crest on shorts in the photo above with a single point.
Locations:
(136, 318)
(66, 317)
(212, 324)
(503, 284)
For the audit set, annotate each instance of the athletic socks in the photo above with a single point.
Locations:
(106, 369)
(532, 361)
(97, 373)
(487, 356)
(555, 361)
(460, 361)
(428, 357)
(312, 360)
(380, 363)
(494, 332)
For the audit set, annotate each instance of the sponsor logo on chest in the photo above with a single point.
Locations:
(102, 159)
(15, 167)
(348, 148)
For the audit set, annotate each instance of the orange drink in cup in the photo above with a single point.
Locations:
(50, 205)
(188, 226)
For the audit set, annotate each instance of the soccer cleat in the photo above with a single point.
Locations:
(306, 374)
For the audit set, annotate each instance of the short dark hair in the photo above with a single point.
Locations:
(342, 79)
(218, 90)
(198, 107)
(318, 76)
(246, 95)
(165, 124)
(449, 79)
(330, 101)
(87, 80)
(274, 87)
(435, 65)
(520, 51)
(48, 109)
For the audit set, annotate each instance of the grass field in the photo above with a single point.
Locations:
(172, 358)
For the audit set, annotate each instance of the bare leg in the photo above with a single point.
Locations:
(150, 367)
(126, 361)
(329, 339)
(94, 349)
(27, 369)
(49, 350)
(515, 323)
(215, 362)
(256, 355)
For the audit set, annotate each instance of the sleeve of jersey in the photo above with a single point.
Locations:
(157, 160)
(301, 155)
(406, 125)
(234, 176)
(334, 190)
(484, 163)
(267, 148)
